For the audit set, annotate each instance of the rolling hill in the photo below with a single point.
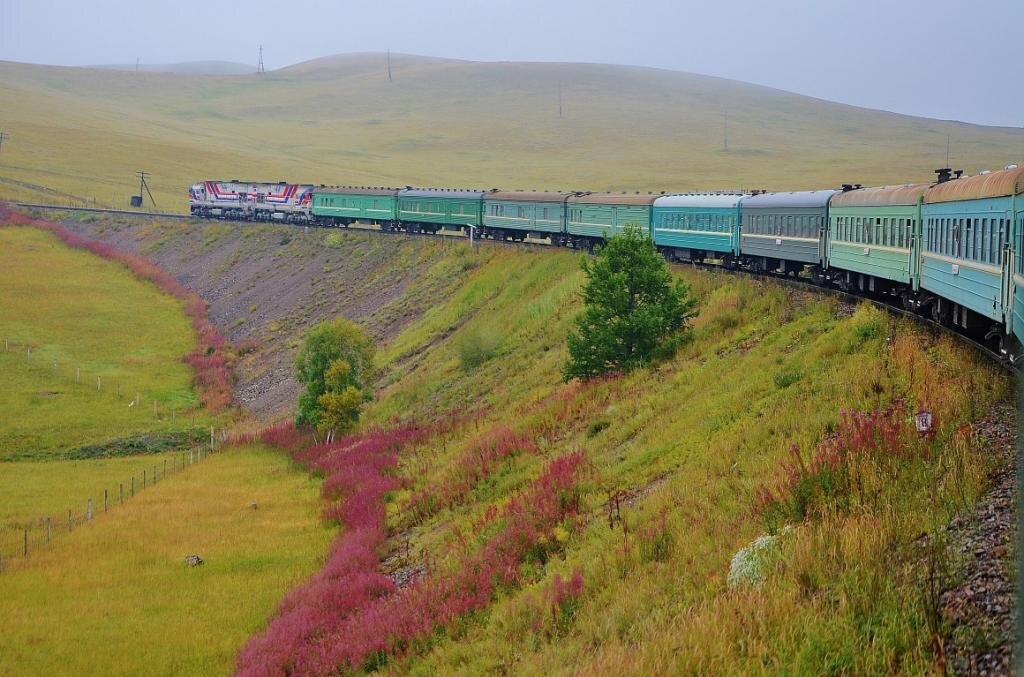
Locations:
(79, 134)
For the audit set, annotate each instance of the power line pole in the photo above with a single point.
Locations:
(143, 185)
(388, 58)
(261, 69)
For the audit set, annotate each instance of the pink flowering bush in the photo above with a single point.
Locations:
(349, 616)
(479, 460)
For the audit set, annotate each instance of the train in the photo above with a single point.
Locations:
(951, 249)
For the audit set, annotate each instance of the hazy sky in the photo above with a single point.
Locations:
(948, 59)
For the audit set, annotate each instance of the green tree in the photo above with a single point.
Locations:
(335, 366)
(633, 313)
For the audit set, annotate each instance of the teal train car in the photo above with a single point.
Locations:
(697, 226)
(342, 205)
(428, 210)
(785, 232)
(516, 215)
(592, 216)
(968, 269)
(874, 236)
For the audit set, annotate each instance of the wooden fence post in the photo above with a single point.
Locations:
(104, 500)
(143, 478)
(133, 485)
(26, 541)
(49, 529)
(165, 467)
(69, 519)
(88, 510)
(120, 489)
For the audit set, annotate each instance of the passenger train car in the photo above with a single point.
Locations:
(951, 249)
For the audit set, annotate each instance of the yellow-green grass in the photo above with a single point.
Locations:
(78, 134)
(85, 339)
(692, 440)
(34, 490)
(116, 597)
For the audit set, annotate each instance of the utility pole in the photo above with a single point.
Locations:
(144, 186)
(388, 60)
(261, 69)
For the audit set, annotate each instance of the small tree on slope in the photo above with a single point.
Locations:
(336, 367)
(633, 313)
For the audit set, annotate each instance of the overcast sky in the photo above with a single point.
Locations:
(959, 60)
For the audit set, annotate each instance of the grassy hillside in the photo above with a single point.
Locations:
(86, 337)
(80, 134)
(678, 468)
(117, 597)
(689, 449)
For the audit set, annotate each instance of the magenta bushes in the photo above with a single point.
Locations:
(209, 362)
(837, 473)
(478, 461)
(350, 616)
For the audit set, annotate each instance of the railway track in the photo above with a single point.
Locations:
(989, 351)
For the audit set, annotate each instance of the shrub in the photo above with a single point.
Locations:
(633, 312)
(476, 347)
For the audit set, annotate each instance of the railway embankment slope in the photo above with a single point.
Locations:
(762, 499)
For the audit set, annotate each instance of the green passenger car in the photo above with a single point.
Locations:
(342, 205)
(428, 210)
(874, 236)
(516, 215)
(595, 215)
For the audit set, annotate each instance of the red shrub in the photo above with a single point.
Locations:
(479, 460)
(348, 616)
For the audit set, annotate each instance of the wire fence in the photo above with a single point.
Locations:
(104, 390)
(20, 539)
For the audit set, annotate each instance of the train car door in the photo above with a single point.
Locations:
(1011, 249)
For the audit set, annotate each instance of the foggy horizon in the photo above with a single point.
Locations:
(911, 59)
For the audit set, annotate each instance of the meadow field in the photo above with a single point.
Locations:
(113, 593)
(85, 339)
(79, 135)
(117, 597)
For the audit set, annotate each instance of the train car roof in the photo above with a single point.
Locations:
(704, 200)
(357, 190)
(458, 193)
(881, 196)
(615, 199)
(800, 199)
(996, 184)
(526, 195)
